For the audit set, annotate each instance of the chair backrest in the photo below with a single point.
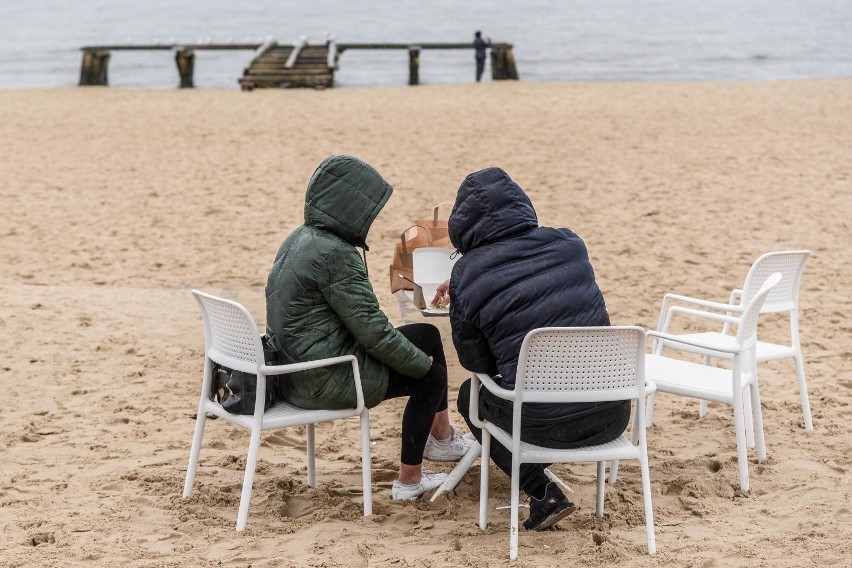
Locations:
(581, 364)
(785, 296)
(230, 333)
(747, 329)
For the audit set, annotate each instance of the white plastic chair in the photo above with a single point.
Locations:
(232, 340)
(556, 365)
(705, 382)
(784, 298)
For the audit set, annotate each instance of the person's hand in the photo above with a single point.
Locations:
(442, 295)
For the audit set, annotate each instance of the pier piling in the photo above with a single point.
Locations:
(414, 65)
(93, 70)
(503, 63)
(185, 60)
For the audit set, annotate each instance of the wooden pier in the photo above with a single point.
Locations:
(294, 65)
(289, 66)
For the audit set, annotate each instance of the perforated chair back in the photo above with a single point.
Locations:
(230, 333)
(562, 365)
(581, 364)
(747, 330)
(785, 296)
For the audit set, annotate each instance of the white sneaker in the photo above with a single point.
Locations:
(409, 492)
(452, 449)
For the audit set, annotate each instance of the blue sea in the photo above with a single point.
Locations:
(571, 40)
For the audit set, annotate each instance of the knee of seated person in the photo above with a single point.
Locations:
(463, 398)
(430, 332)
(437, 376)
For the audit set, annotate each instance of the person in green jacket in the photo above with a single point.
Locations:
(320, 303)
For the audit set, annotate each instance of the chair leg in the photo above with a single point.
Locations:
(599, 499)
(200, 421)
(757, 412)
(312, 466)
(649, 410)
(613, 472)
(702, 404)
(513, 522)
(613, 467)
(803, 391)
(248, 479)
(742, 453)
(366, 476)
(484, 463)
(646, 498)
(747, 416)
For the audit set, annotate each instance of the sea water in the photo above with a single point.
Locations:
(571, 40)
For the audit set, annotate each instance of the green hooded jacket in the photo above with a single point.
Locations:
(319, 300)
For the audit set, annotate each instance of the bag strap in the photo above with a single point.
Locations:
(402, 236)
(436, 214)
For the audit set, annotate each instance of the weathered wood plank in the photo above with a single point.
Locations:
(423, 45)
(287, 72)
(172, 46)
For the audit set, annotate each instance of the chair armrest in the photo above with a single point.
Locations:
(719, 306)
(650, 387)
(669, 298)
(494, 388)
(475, 380)
(270, 370)
(727, 320)
(701, 314)
(699, 344)
(304, 366)
(736, 296)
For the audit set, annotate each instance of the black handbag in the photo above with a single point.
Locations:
(236, 391)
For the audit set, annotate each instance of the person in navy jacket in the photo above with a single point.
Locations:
(515, 276)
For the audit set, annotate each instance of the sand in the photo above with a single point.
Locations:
(116, 203)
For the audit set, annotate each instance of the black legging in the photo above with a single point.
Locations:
(426, 396)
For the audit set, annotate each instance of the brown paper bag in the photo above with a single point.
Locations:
(437, 225)
(414, 237)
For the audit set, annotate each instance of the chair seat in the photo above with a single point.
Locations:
(281, 415)
(695, 380)
(619, 449)
(765, 351)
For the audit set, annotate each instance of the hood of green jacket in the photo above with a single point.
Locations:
(345, 195)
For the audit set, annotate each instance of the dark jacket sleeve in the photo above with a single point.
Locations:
(470, 343)
(472, 348)
(350, 295)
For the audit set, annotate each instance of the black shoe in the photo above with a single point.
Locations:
(546, 512)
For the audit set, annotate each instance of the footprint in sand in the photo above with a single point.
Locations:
(384, 475)
(284, 439)
(297, 506)
(42, 538)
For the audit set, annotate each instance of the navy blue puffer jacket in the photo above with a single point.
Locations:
(513, 277)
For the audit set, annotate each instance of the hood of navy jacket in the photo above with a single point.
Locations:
(489, 207)
(344, 197)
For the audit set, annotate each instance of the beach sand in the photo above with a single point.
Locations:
(116, 203)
